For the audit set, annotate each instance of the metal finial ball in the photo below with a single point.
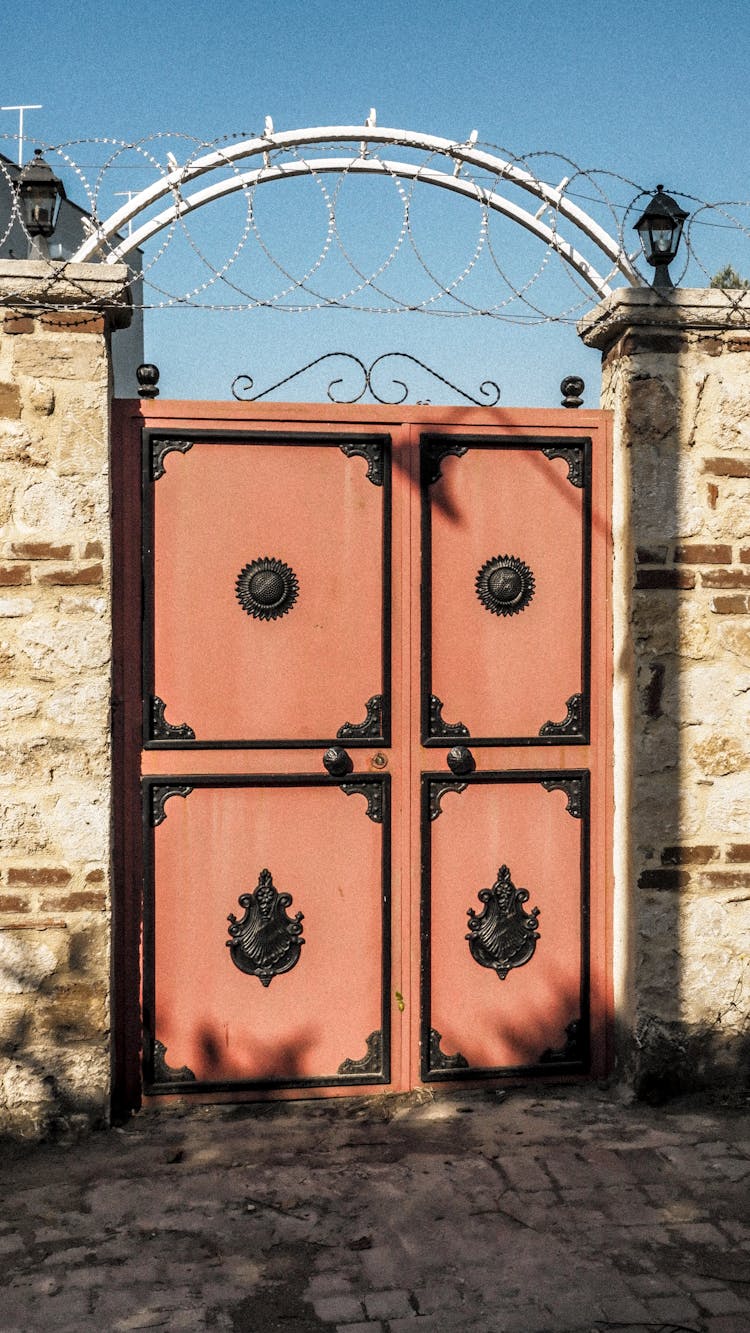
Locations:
(572, 388)
(148, 379)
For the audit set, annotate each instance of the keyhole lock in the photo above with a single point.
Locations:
(379, 761)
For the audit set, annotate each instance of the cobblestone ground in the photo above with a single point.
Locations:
(472, 1212)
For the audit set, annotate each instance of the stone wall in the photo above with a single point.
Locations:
(55, 650)
(677, 377)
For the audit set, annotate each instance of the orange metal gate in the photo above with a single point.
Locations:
(363, 677)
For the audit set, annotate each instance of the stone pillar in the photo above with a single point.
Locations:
(55, 655)
(676, 375)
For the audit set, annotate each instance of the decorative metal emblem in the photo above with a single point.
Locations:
(505, 585)
(164, 1073)
(571, 1050)
(572, 723)
(373, 453)
(505, 935)
(372, 725)
(437, 792)
(267, 588)
(159, 798)
(373, 794)
(266, 942)
(433, 453)
(242, 385)
(162, 445)
(161, 730)
(573, 789)
(573, 455)
(438, 1058)
(438, 727)
(372, 1063)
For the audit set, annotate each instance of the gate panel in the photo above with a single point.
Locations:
(239, 991)
(505, 924)
(266, 575)
(506, 617)
(269, 612)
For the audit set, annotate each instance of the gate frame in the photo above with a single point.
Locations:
(129, 419)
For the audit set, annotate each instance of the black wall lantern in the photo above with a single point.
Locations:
(660, 229)
(39, 194)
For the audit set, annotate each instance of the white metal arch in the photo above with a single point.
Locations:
(174, 182)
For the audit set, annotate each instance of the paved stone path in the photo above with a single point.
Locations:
(471, 1213)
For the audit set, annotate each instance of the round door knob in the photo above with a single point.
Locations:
(460, 760)
(337, 762)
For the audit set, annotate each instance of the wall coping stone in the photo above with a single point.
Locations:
(34, 284)
(681, 309)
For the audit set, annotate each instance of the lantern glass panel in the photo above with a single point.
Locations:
(662, 236)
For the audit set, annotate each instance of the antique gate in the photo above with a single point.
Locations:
(363, 685)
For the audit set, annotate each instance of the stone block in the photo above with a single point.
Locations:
(26, 960)
(41, 551)
(389, 1305)
(41, 398)
(38, 875)
(14, 575)
(703, 554)
(726, 578)
(730, 606)
(68, 577)
(10, 400)
(13, 608)
(57, 356)
(718, 756)
(15, 443)
(338, 1309)
(22, 826)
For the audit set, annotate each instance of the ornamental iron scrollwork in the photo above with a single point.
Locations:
(571, 1051)
(505, 585)
(438, 1058)
(504, 936)
(438, 727)
(161, 730)
(267, 588)
(161, 445)
(242, 385)
(573, 789)
(373, 794)
(371, 1063)
(433, 453)
(438, 790)
(373, 453)
(159, 798)
(164, 1073)
(572, 723)
(573, 456)
(266, 942)
(372, 727)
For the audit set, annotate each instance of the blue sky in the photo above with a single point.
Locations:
(601, 82)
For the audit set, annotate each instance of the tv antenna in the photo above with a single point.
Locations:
(28, 106)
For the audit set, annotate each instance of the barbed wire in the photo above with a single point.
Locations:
(316, 243)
